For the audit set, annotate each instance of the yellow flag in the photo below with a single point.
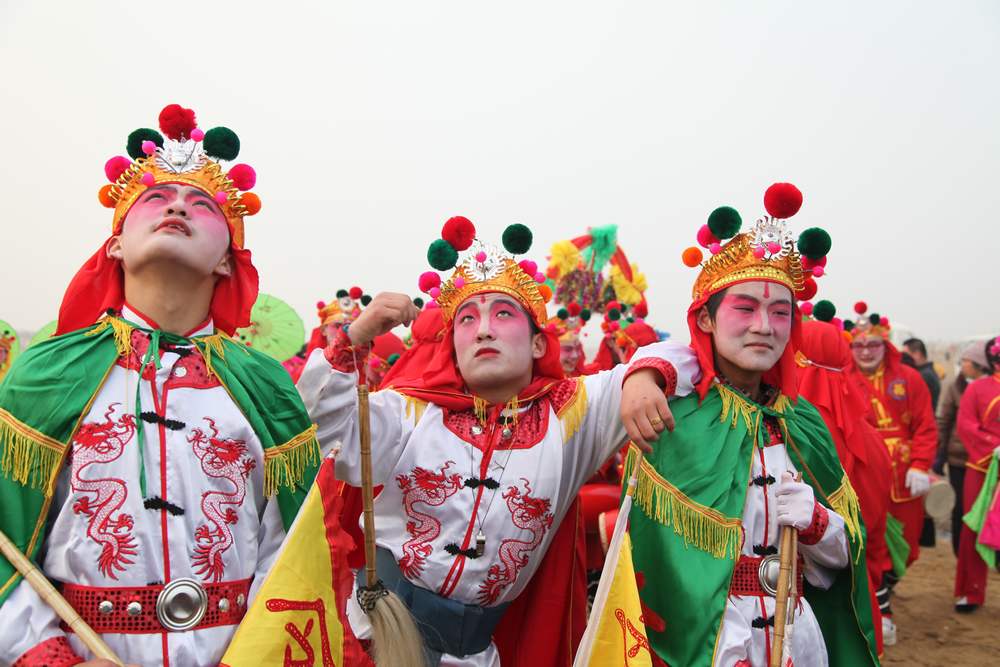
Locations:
(621, 635)
(297, 616)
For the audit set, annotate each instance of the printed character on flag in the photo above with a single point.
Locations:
(298, 617)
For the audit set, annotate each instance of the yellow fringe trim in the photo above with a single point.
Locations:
(123, 334)
(415, 408)
(29, 457)
(481, 408)
(844, 501)
(209, 345)
(699, 526)
(571, 415)
(285, 465)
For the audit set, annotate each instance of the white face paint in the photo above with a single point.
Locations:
(868, 351)
(752, 325)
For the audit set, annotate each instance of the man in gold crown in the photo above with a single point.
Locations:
(713, 496)
(901, 409)
(141, 443)
(481, 445)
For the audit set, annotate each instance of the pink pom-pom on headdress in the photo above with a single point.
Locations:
(459, 282)
(148, 147)
(197, 134)
(806, 307)
(706, 238)
(221, 197)
(528, 266)
(148, 179)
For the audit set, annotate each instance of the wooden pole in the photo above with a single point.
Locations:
(367, 487)
(787, 549)
(38, 581)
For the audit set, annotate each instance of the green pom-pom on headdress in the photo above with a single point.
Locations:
(614, 314)
(441, 255)
(134, 144)
(875, 319)
(824, 311)
(418, 302)
(814, 243)
(562, 314)
(517, 239)
(341, 293)
(848, 325)
(392, 358)
(585, 315)
(366, 299)
(221, 143)
(724, 222)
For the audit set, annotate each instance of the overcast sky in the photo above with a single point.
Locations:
(370, 123)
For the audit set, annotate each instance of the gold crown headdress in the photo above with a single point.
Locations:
(767, 251)
(867, 324)
(345, 308)
(484, 269)
(187, 156)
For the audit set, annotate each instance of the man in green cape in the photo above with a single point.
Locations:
(140, 445)
(711, 499)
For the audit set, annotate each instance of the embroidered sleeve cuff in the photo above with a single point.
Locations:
(814, 533)
(343, 356)
(53, 652)
(662, 366)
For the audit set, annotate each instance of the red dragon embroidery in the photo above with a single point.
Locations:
(221, 458)
(527, 513)
(429, 488)
(104, 442)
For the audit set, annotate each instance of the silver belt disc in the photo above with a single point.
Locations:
(181, 604)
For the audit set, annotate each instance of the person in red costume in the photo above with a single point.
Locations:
(825, 362)
(900, 405)
(979, 429)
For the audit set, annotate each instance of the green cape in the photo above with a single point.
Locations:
(51, 387)
(686, 520)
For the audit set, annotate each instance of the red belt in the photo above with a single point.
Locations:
(133, 610)
(746, 578)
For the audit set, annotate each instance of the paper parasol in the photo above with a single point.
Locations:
(44, 332)
(275, 328)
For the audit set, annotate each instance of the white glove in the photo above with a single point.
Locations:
(795, 502)
(918, 482)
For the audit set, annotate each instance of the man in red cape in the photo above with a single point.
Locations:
(825, 361)
(480, 445)
(900, 407)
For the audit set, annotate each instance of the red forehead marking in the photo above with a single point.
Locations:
(767, 290)
(482, 298)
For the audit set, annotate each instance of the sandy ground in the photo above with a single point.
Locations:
(929, 631)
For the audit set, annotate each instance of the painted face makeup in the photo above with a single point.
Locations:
(569, 355)
(177, 223)
(494, 345)
(868, 351)
(753, 324)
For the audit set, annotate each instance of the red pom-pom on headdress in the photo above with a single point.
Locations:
(355, 292)
(861, 308)
(641, 309)
(243, 176)
(573, 309)
(459, 232)
(808, 290)
(782, 200)
(177, 122)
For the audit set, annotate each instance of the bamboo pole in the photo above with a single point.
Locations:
(38, 581)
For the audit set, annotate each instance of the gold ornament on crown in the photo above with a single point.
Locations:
(736, 262)
(497, 274)
(207, 175)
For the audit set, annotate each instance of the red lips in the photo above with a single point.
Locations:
(487, 351)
